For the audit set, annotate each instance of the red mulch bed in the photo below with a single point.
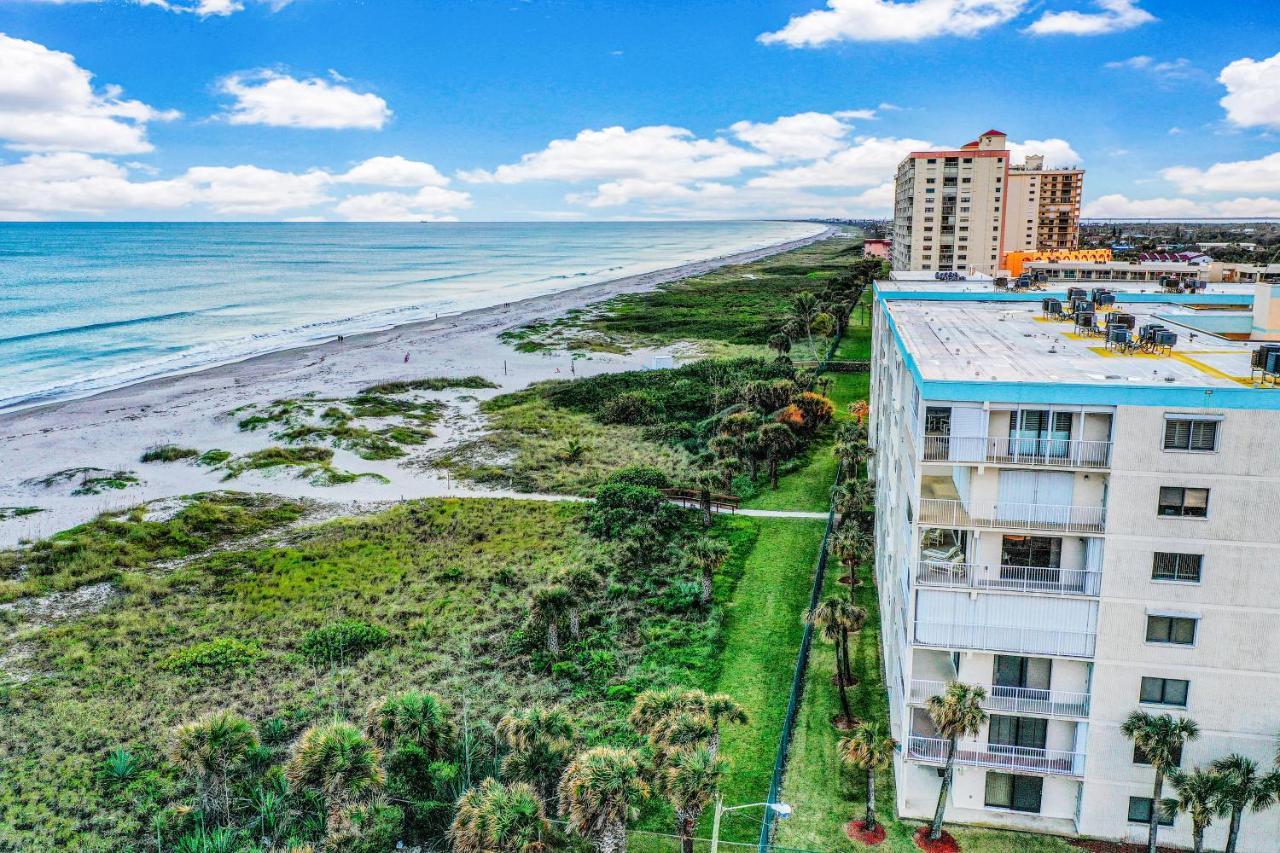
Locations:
(843, 724)
(855, 830)
(945, 844)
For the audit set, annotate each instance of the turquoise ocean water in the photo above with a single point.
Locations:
(86, 306)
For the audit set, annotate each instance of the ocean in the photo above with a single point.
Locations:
(85, 307)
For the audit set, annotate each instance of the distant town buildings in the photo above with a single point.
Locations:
(964, 209)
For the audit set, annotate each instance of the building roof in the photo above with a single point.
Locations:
(1011, 341)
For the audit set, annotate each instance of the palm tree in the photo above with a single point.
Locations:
(1200, 793)
(676, 719)
(719, 709)
(582, 582)
(956, 713)
(208, 749)
(548, 606)
(1160, 738)
(869, 748)
(852, 546)
(776, 440)
(707, 555)
(706, 480)
(497, 818)
(338, 762)
(679, 732)
(804, 310)
(416, 716)
(836, 618)
(1243, 789)
(538, 741)
(690, 783)
(651, 707)
(780, 343)
(599, 793)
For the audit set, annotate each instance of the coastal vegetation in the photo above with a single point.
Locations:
(88, 480)
(168, 453)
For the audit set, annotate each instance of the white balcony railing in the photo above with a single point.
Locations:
(1000, 514)
(1008, 578)
(1051, 452)
(1001, 638)
(1014, 700)
(1055, 762)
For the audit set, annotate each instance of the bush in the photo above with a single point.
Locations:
(621, 506)
(168, 453)
(634, 408)
(342, 641)
(680, 597)
(640, 475)
(221, 655)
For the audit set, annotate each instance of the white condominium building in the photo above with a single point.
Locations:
(1043, 209)
(1085, 529)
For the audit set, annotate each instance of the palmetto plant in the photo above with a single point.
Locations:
(497, 818)
(852, 546)
(677, 719)
(869, 749)
(706, 556)
(780, 343)
(538, 742)
(415, 716)
(956, 713)
(582, 582)
(1200, 795)
(337, 761)
(690, 782)
(776, 440)
(208, 750)
(119, 767)
(1244, 788)
(600, 792)
(1160, 738)
(548, 605)
(805, 308)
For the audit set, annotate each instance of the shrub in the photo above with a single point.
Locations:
(633, 408)
(168, 453)
(436, 383)
(213, 457)
(680, 597)
(640, 475)
(621, 506)
(223, 654)
(342, 641)
(817, 410)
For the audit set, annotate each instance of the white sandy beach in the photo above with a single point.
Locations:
(112, 429)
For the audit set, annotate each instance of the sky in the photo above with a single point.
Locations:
(447, 110)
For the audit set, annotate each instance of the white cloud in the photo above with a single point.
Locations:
(1164, 71)
(804, 136)
(1253, 92)
(627, 190)
(67, 182)
(865, 163)
(269, 97)
(1117, 206)
(394, 172)
(1116, 16)
(885, 20)
(1242, 176)
(1058, 153)
(201, 8)
(48, 103)
(428, 203)
(654, 153)
(251, 189)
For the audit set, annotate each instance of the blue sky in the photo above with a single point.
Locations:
(566, 109)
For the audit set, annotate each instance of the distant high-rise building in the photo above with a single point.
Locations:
(1042, 211)
(963, 209)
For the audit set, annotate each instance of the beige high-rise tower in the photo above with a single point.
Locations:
(1043, 207)
(963, 209)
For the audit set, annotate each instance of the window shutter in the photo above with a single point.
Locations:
(1177, 434)
(1204, 435)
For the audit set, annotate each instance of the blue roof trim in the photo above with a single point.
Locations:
(1076, 393)
(1003, 296)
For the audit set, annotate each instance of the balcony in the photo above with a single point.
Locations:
(1013, 516)
(1052, 453)
(1030, 579)
(1052, 762)
(1014, 700)
(1006, 638)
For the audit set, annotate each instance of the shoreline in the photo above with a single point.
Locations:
(110, 429)
(650, 278)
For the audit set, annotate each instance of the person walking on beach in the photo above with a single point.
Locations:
(406, 358)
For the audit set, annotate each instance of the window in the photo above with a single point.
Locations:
(1177, 630)
(1140, 812)
(1140, 756)
(1029, 732)
(1020, 793)
(1177, 501)
(1184, 434)
(1176, 567)
(1164, 691)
